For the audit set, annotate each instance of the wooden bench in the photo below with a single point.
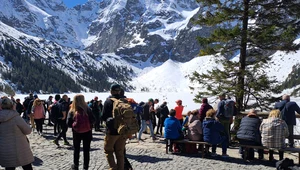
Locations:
(288, 150)
(203, 145)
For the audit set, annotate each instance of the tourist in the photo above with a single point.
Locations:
(14, 146)
(38, 114)
(195, 126)
(172, 129)
(249, 134)
(274, 130)
(214, 133)
(81, 119)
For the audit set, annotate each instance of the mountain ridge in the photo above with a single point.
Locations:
(136, 43)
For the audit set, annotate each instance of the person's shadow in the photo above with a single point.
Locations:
(146, 158)
(37, 161)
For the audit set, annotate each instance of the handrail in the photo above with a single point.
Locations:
(266, 114)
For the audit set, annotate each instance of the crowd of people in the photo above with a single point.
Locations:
(213, 127)
(205, 124)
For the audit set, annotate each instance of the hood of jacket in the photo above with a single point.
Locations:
(6, 115)
(192, 118)
(209, 122)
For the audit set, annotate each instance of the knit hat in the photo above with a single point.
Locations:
(115, 87)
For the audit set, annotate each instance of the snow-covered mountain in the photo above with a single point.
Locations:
(146, 45)
(135, 29)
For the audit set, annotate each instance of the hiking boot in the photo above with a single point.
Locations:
(224, 155)
(74, 167)
(140, 140)
(67, 143)
(213, 154)
(56, 142)
(260, 157)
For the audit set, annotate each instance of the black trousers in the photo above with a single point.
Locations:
(25, 167)
(57, 128)
(39, 124)
(64, 128)
(160, 125)
(250, 155)
(271, 152)
(97, 121)
(291, 135)
(86, 139)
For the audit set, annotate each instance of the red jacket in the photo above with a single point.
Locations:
(179, 110)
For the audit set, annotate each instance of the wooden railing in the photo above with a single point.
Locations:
(266, 114)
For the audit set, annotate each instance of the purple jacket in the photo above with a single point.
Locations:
(203, 109)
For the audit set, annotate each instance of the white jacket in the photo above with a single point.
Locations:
(14, 147)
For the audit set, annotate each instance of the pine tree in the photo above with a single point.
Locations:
(254, 29)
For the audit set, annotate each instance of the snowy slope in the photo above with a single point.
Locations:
(172, 76)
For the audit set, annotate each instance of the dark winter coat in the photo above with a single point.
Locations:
(212, 131)
(107, 115)
(146, 112)
(288, 110)
(203, 109)
(164, 111)
(19, 108)
(249, 129)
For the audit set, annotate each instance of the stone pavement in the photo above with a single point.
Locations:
(143, 156)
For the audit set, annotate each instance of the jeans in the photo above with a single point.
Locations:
(226, 123)
(250, 155)
(25, 167)
(64, 128)
(291, 135)
(86, 139)
(224, 143)
(39, 125)
(115, 144)
(143, 127)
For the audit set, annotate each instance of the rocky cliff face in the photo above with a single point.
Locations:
(111, 38)
(134, 29)
(139, 30)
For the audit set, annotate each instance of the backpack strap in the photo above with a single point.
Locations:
(113, 99)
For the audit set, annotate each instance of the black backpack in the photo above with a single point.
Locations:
(56, 112)
(164, 111)
(285, 164)
(26, 102)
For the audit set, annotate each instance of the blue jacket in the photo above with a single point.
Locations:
(288, 110)
(172, 128)
(212, 131)
(249, 129)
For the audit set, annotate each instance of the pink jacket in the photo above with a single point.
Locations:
(38, 112)
(195, 129)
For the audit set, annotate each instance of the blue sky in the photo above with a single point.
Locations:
(71, 3)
